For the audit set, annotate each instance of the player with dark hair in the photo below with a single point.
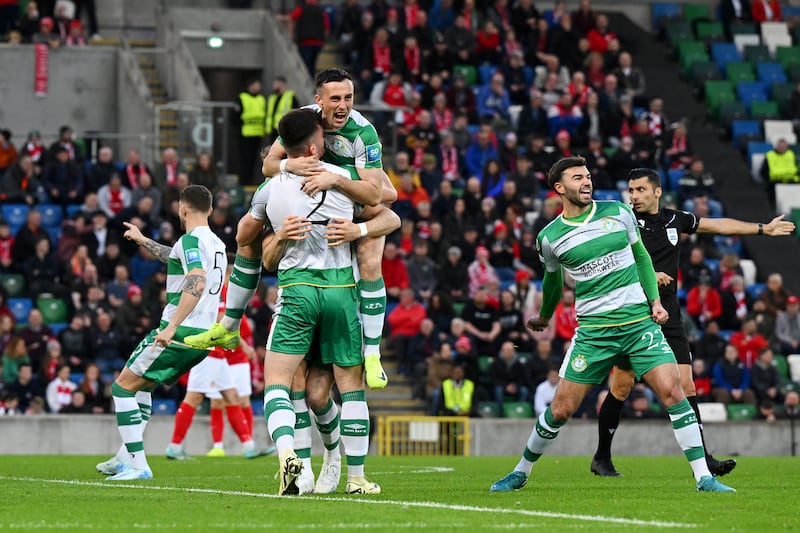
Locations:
(619, 312)
(660, 229)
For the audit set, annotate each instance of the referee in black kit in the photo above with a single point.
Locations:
(660, 230)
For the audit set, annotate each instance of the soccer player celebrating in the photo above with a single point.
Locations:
(619, 312)
(660, 230)
(195, 269)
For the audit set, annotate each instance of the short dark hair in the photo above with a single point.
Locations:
(651, 175)
(296, 127)
(558, 168)
(197, 197)
(330, 75)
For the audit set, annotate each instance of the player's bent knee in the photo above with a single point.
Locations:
(231, 396)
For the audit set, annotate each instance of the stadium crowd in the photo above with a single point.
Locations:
(480, 98)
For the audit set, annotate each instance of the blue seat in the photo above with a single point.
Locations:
(258, 407)
(662, 10)
(674, 176)
(15, 214)
(506, 284)
(164, 406)
(55, 234)
(726, 334)
(601, 194)
(724, 53)
(739, 128)
(751, 91)
(529, 73)
(486, 72)
(728, 244)
(755, 290)
(52, 215)
(537, 283)
(73, 209)
(58, 327)
(713, 265)
(20, 307)
(76, 377)
(769, 73)
(757, 147)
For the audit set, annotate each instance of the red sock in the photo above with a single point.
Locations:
(217, 425)
(248, 417)
(238, 422)
(183, 419)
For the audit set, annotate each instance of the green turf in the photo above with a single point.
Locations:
(234, 494)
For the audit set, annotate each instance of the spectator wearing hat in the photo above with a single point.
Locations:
(703, 302)
(440, 61)
(787, 326)
(67, 142)
(563, 144)
(45, 35)
(75, 36)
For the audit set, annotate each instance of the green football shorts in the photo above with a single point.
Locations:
(330, 312)
(594, 351)
(165, 365)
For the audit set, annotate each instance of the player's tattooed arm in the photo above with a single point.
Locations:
(159, 251)
(195, 285)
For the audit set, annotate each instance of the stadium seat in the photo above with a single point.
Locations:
(749, 271)
(72, 210)
(741, 411)
(710, 31)
(14, 284)
(793, 361)
(764, 110)
(728, 244)
(53, 310)
(20, 308)
(660, 11)
(58, 327)
(486, 72)
(779, 129)
(730, 111)
(787, 197)
(688, 60)
(716, 92)
(744, 28)
(713, 266)
(677, 31)
(52, 215)
(258, 407)
(726, 334)
(746, 39)
(488, 410)
(794, 73)
(702, 71)
(15, 214)
(607, 195)
(751, 91)
(164, 406)
(724, 53)
(756, 53)
(696, 12)
(769, 73)
(771, 29)
(737, 71)
(712, 412)
(741, 128)
(484, 363)
(236, 196)
(76, 377)
(458, 308)
(469, 73)
(781, 92)
(517, 410)
(782, 366)
(755, 290)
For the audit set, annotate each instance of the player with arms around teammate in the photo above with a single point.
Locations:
(351, 142)
(195, 269)
(660, 230)
(317, 296)
(619, 312)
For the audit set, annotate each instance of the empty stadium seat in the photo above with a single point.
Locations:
(779, 129)
(741, 411)
(745, 39)
(724, 53)
(164, 406)
(741, 128)
(488, 410)
(72, 210)
(744, 28)
(737, 71)
(469, 73)
(712, 412)
(781, 92)
(58, 327)
(764, 110)
(773, 29)
(53, 310)
(787, 197)
(517, 410)
(751, 91)
(15, 214)
(773, 43)
(710, 31)
(755, 290)
(52, 215)
(663, 10)
(770, 73)
(20, 308)
(486, 72)
(782, 366)
(793, 361)
(607, 195)
(677, 31)
(702, 71)
(756, 53)
(484, 363)
(14, 284)
(793, 72)
(716, 92)
(749, 271)
(696, 12)
(730, 111)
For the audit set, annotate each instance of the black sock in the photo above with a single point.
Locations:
(693, 402)
(607, 425)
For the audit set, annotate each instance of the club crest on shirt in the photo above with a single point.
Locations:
(337, 145)
(672, 235)
(578, 363)
(609, 225)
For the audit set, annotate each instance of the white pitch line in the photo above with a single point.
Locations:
(350, 501)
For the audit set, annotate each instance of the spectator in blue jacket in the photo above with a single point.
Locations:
(493, 100)
(731, 379)
(480, 152)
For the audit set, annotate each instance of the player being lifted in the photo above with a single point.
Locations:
(317, 297)
(660, 230)
(352, 143)
(195, 269)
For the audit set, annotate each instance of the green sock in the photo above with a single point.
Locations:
(241, 287)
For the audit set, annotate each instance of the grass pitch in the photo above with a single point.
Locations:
(435, 494)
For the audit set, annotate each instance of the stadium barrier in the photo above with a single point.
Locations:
(424, 435)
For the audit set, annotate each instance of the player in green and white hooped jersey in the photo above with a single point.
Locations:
(317, 299)
(195, 268)
(618, 310)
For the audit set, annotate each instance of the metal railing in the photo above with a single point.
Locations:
(424, 435)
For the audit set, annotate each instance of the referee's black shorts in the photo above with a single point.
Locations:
(674, 333)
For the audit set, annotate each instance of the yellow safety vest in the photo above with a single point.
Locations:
(458, 399)
(782, 167)
(253, 114)
(275, 112)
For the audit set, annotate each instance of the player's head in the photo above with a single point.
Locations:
(334, 95)
(301, 133)
(644, 186)
(194, 199)
(570, 178)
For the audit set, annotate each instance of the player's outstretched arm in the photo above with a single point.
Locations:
(193, 289)
(294, 228)
(730, 226)
(381, 221)
(159, 251)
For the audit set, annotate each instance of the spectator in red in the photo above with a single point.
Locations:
(748, 342)
(405, 320)
(114, 197)
(565, 318)
(75, 36)
(578, 89)
(488, 48)
(702, 380)
(766, 11)
(601, 38)
(703, 302)
(395, 275)
(8, 152)
(412, 60)
(310, 28)
(134, 168)
(480, 271)
(6, 249)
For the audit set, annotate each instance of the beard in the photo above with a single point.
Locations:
(575, 198)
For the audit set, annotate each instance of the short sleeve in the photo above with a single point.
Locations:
(369, 151)
(631, 224)
(192, 257)
(546, 255)
(688, 221)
